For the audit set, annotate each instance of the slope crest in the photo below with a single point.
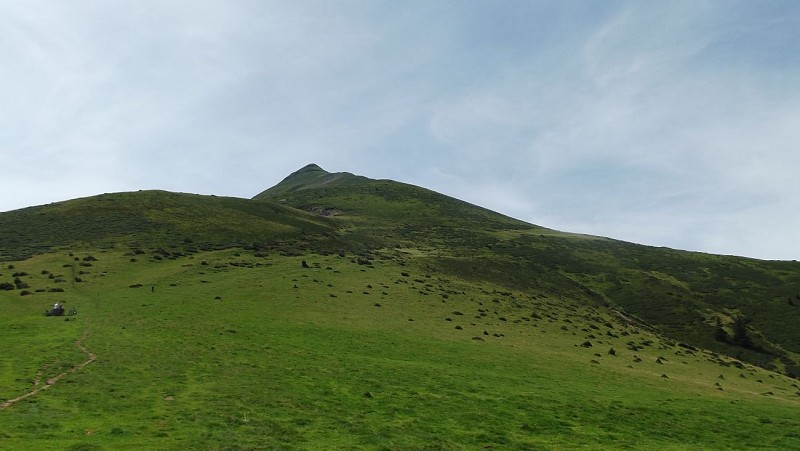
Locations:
(309, 177)
(155, 217)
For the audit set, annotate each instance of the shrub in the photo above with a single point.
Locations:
(20, 284)
(740, 337)
(25, 293)
(7, 286)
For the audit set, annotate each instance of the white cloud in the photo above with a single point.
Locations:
(663, 123)
(636, 136)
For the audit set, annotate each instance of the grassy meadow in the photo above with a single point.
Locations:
(224, 349)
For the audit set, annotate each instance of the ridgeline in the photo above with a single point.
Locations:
(337, 311)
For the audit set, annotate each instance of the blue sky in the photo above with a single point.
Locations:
(664, 123)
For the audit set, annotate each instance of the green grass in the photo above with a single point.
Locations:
(268, 365)
(420, 322)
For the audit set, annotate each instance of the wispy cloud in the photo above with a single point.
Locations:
(636, 134)
(663, 123)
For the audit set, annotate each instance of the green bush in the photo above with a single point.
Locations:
(20, 284)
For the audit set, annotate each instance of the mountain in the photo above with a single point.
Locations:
(741, 307)
(697, 298)
(336, 311)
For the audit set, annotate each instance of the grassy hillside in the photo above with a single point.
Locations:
(694, 297)
(226, 350)
(338, 312)
(156, 219)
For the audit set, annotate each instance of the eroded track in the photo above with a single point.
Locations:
(38, 386)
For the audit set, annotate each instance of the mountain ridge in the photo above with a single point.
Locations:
(346, 312)
(693, 297)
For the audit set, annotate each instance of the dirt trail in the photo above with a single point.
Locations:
(53, 380)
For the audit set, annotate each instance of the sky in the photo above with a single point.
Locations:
(670, 124)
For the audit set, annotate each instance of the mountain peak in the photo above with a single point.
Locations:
(309, 176)
(309, 168)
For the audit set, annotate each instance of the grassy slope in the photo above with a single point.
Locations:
(683, 294)
(169, 220)
(481, 344)
(357, 356)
